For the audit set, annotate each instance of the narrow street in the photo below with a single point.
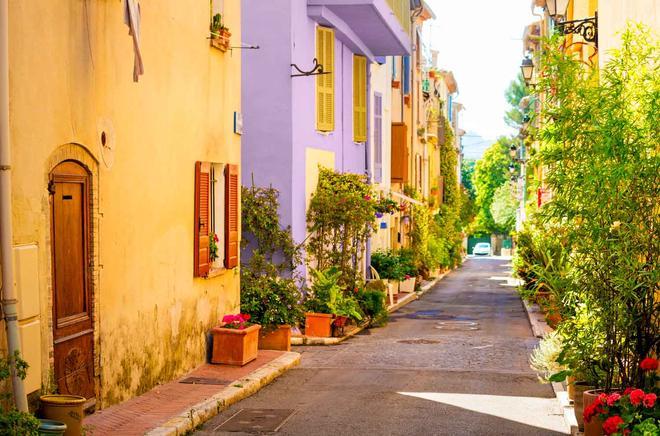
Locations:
(451, 363)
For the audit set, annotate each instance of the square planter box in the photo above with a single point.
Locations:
(278, 339)
(407, 285)
(233, 346)
(318, 324)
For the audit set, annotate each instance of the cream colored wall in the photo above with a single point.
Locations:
(70, 79)
(314, 159)
(613, 16)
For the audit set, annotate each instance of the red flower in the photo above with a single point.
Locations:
(215, 237)
(649, 364)
(602, 398)
(611, 424)
(592, 410)
(246, 317)
(649, 400)
(628, 391)
(367, 197)
(636, 397)
(613, 398)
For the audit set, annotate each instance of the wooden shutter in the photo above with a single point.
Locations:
(378, 137)
(359, 98)
(231, 216)
(202, 214)
(325, 83)
(399, 153)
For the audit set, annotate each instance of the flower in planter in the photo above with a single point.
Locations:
(239, 321)
(213, 246)
(611, 424)
(636, 397)
(649, 400)
(613, 398)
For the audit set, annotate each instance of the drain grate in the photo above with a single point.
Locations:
(419, 341)
(203, 381)
(256, 420)
(458, 325)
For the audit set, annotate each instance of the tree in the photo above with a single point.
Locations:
(490, 172)
(517, 89)
(467, 172)
(503, 209)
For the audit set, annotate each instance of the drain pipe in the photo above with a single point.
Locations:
(9, 300)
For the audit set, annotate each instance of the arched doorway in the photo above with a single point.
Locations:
(73, 327)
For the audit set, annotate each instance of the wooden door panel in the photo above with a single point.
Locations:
(73, 332)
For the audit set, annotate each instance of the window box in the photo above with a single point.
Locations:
(396, 84)
(221, 39)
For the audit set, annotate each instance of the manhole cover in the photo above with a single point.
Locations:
(256, 420)
(458, 325)
(203, 381)
(419, 341)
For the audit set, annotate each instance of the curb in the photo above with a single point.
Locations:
(566, 407)
(402, 302)
(536, 319)
(196, 415)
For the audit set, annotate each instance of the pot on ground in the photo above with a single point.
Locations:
(318, 324)
(407, 285)
(234, 346)
(579, 388)
(51, 427)
(595, 426)
(67, 409)
(276, 339)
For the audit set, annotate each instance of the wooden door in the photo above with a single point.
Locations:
(73, 331)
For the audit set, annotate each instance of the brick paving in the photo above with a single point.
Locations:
(146, 412)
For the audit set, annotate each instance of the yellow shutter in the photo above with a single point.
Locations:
(325, 83)
(359, 98)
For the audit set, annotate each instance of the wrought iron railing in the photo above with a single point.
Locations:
(401, 9)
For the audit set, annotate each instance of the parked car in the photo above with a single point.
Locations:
(481, 248)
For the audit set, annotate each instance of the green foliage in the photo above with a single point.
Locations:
(270, 299)
(600, 150)
(503, 208)
(467, 174)
(372, 301)
(326, 295)
(490, 173)
(649, 427)
(387, 264)
(340, 219)
(13, 422)
(515, 116)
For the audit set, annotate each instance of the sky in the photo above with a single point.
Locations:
(481, 42)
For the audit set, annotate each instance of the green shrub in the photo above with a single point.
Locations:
(372, 301)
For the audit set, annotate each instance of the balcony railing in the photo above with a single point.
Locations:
(401, 9)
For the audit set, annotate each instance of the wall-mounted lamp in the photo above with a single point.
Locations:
(527, 69)
(587, 28)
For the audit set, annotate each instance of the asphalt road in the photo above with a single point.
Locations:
(424, 373)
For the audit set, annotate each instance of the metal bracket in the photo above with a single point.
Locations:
(315, 71)
(51, 188)
(586, 28)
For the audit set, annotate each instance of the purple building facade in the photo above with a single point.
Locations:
(279, 111)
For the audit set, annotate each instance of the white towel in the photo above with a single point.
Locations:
(132, 20)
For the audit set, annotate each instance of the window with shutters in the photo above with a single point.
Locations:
(325, 83)
(378, 137)
(359, 98)
(216, 218)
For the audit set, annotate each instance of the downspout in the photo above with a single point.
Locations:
(367, 163)
(9, 301)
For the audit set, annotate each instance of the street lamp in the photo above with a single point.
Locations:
(512, 150)
(556, 8)
(527, 69)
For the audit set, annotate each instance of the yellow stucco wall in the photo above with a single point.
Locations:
(71, 78)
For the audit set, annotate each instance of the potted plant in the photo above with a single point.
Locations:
(13, 421)
(220, 35)
(235, 340)
(388, 266)
(408, 269)
(318, 315)
(273, 303)
(344, 308)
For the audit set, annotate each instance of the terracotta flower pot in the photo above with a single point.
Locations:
(234, 346)
(318, 324)
(578, 401)
(277, 339)
(570, 387)
(595, 426)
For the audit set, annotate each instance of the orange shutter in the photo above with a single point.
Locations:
(202, 230)
(399, 153)
(231, 216)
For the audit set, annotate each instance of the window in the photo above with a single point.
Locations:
(325, 83)
(405, 73)
(359, 98)
(378, 137)
(216, 215)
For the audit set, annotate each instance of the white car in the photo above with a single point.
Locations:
(481, 248)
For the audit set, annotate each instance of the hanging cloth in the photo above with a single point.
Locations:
(132, 20)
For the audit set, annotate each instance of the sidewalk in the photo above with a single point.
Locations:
(175, 407)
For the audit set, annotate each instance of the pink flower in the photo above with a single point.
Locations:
(636, 397)
(228, 319)
(649, 400)
(613, 398)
